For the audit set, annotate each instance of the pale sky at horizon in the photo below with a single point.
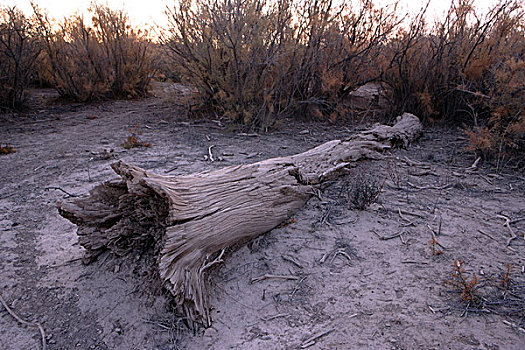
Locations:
(151, 12)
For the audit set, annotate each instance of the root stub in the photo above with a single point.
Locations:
(188, 221)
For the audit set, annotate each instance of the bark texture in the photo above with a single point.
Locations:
(189, 220)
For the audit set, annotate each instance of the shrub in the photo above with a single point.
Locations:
(467, 70)
(253, 61)
(364, 191)
(108, 59)
(133, 140)
(468, 287)
(19, 50)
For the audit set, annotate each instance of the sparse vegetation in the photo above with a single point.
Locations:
(465, 71)
(502, 294)
(506, 277)
(254, 62)
(133, 140)
(462, 283)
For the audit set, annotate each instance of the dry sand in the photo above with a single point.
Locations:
(353, 289)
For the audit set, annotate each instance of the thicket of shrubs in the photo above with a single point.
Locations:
(466, 70)
(255, 61)
(19, 51)
(106, 59)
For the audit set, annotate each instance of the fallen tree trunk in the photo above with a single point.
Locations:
(191, 219)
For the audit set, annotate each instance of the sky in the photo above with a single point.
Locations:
(151, 12)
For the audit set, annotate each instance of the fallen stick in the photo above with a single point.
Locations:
(292, 260)
(421, 188)
(383, 238)
(268, 276)
(515, 221)
(274, 317)
(513, 325)
(297, 287)
(26, 323)
(408, 222)
(507, 224)
(423, 173)
(435, 238)
(415, 163)
(410, 213)
(486, 234)
(311, 341)
(414, 262)
(475, 164)
(60, 189)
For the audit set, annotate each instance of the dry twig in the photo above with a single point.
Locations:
(274, 317)
(210, 154)
(217, 260)
(434, 237)
(25, 323)
(292, 260)
(311, 341)
(268, 276)
(414, 262)
(385, 238)
(475, 164)
(507, 224)
(297, 287)
(513, 325)
(486, 234)
(60, 189)
(420, 188)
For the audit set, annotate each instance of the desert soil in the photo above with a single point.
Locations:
(351, 285)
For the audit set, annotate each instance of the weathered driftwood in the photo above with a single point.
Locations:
(191, 219)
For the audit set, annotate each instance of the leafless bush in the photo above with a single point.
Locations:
(19, 50)
(364, 191)
(254, 61)
(108, 59)
(464, 70)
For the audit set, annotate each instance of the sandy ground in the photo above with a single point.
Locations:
(351, 285)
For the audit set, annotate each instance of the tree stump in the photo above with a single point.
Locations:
(191, 219)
